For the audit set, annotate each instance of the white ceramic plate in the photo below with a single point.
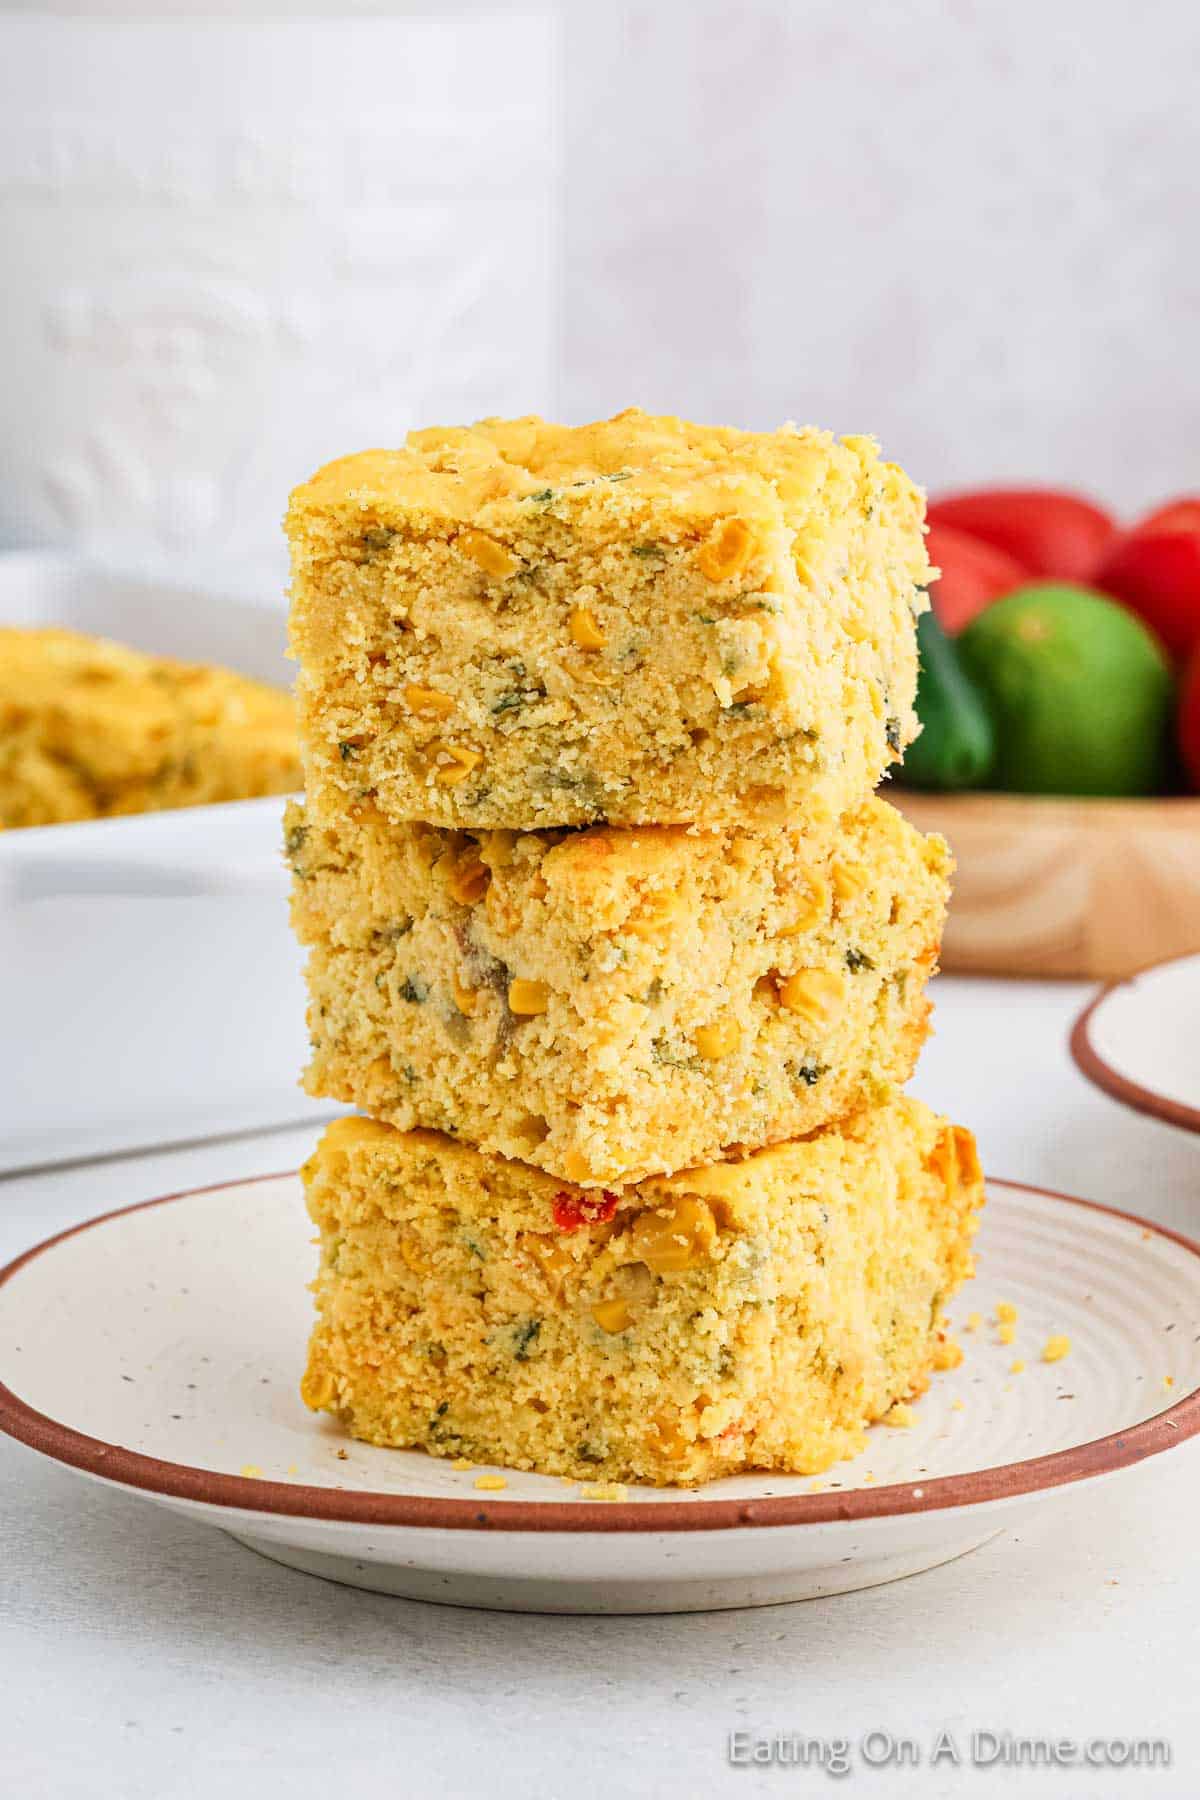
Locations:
(1139, 1040)
(159, 1349)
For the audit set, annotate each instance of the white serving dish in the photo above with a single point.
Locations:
(150, 989)
(159, 1349)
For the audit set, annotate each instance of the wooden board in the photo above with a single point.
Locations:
(1085, 888)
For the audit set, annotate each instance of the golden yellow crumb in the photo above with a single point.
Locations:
(604, 1490)
(249, 1469)
(816, 1487)
(1007, 1334)
(1168, 1381)
(293, 1468)
(974, 1321)
(1017, 1367)
(89, 729)
(556, 1309)
(947, 1355)
(1006, 1312)
(748, 597)
(901, 1416)
(462, 1462)
(490, 1484)
(958, 1406)
(777, 1007)
(1055, 1348)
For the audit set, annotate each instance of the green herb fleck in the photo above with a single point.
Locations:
(510, 702)
(391, 934)
(807, 1073)
(414, 989)
(543, 497)
(474, 1246)
(893, 735)
(858, 960)
(646, 550)
(294, 841)
(524, 1337)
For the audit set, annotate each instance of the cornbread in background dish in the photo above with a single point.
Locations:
(611, 1003)
(520, 624)
(754, 1314)
(90, 729)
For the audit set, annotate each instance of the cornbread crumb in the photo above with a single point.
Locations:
(612, 1004)
(757, 1313)
(1006, 1312)
(974, 1321)
(901, 1416)
(958, 1406)
(250, 1469)
(604, 1490)
(490, 1484)
(1168, 1381)
(90, 729)
(462, 1462)
(522, 624)
(947, 1354)
(1055, 1348)
(1016, 1367)
(1007, 1334)
(293, 1468)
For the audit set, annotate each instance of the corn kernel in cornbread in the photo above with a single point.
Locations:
(611, 1003)
(755, 1314)
(521, 624)
(89, 728)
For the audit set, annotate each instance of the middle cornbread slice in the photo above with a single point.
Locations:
(607, 1004)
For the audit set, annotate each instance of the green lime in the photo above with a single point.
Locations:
(1079, 691)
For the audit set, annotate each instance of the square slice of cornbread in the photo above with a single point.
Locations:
(520, 624)
(90, 728)
(610, 1003)
(754, 1314)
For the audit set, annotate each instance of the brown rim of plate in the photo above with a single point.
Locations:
(180, 1481)
(1091, 1064)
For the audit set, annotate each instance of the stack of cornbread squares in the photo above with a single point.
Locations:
(612, 943)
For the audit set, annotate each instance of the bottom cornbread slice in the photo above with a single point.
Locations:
(754, 1314)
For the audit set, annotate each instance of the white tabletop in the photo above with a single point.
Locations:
(142, 1655)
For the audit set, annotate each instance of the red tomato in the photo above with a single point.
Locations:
(1155, 569)
(1050, 533)
(1189, 721)
(1177, 515)
(973, 575)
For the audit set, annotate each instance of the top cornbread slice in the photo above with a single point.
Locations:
(90, 728)
(521, 625)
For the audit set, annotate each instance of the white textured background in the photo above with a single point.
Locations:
(971, 229)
